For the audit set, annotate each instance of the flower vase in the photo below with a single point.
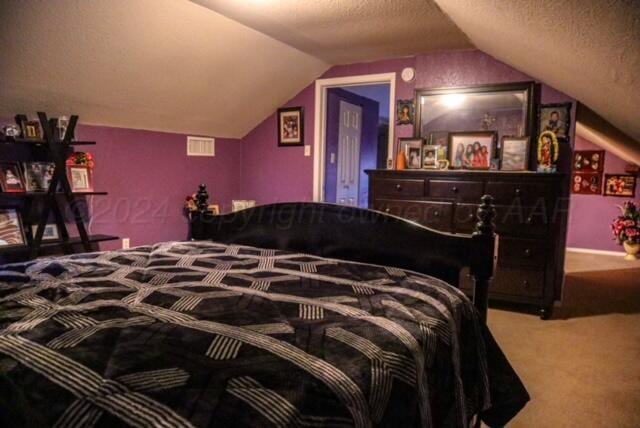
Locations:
(632, 250)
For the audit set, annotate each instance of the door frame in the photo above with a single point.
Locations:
(320, 120)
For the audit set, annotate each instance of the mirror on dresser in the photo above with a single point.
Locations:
(507, 109)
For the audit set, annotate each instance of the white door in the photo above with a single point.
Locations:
(349, 134)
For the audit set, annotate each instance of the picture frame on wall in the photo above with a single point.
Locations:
(50, 232)
(586, 183)
(555, 118)
(290, 127)
(588, 160)
(472, 150)
(412, 149)
(440, 139)
(620, 185)
(514, 153)
(80, 178)
(11, 230)
(405, 112)
(11, 178)
(430, 157)
(38, 175)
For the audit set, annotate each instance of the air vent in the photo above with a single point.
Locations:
(200, 146)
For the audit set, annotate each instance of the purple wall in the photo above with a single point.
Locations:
(274, 174)
(148, 174)
(591, 215)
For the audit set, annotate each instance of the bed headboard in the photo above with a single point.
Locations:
(361, 235)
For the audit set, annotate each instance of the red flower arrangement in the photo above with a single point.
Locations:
(81, 158)
(626, 227)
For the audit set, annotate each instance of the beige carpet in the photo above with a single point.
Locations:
(582, 367)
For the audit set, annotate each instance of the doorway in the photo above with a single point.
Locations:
(352, 134)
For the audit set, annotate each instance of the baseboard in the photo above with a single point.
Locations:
(599, 252)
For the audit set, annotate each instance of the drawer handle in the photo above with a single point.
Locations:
(454, 189)
(436, 214)
(398, 187)
(518, 192)
(526, 284)
(529, 220)
(527, 252)
(387, 210)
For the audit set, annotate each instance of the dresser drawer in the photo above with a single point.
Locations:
(518, 282)
(522, 252)
(465, 191)
(529, 194)
(436, 215)
(521, 221)
(398, 187)
(465, 218)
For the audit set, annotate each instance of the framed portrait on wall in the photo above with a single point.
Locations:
(291, 127)
(555, 118)
(620, 185)
(514, 154)
(472, 150)
(405, 112)
(588, 160)
(412, 149)
(586, 183)
(11, 231)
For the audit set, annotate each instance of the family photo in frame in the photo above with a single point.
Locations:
(472, 150)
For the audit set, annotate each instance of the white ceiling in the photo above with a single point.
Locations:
(220, 69)
(167, 65)
(348, 31)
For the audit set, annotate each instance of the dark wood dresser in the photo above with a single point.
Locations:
(531, 221)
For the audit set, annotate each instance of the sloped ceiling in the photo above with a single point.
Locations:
(166, 65)
(587, 49)
(345, 32)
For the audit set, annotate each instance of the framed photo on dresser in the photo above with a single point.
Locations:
(472, 150)
(514, 154)
(412, 149)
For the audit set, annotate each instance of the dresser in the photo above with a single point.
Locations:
(531, 221)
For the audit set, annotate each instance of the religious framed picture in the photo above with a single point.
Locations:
(440, 139)
(291, 127)
(472, 150)
(11, 231)
(514, 153)
(547, 152)
(430, 157)
(10, 178)
(38, 175)
(412, 149)
(80, 178)
(620, 185)
(586, 183)
(405, 112)
(50, 232)
(588, 160)
(555, 118)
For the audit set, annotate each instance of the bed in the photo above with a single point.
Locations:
(282, 315)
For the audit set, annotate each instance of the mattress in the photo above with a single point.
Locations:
(206, 334)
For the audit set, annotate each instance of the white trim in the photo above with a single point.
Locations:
(599, 252)
(320, 119)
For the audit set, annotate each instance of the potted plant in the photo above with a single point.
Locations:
(626, 229)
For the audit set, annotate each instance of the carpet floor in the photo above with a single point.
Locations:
(582, 367)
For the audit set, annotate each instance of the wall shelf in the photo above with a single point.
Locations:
(75, 240)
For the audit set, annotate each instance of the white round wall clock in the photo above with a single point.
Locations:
(408, 74)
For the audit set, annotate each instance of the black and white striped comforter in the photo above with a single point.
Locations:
(205, 334)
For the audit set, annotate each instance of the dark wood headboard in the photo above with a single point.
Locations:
(361, 235)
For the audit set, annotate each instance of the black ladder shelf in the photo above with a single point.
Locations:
(59, 150)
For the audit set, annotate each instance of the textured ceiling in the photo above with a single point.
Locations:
(166, 65)
(587, 49)
(349, 31)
